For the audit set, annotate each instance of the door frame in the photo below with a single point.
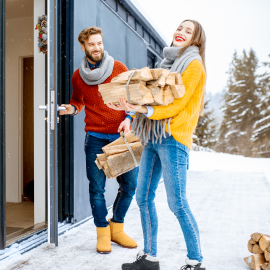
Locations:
(2, 127)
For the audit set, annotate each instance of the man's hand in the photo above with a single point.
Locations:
(69, 109)
(125, 126)
(125, 106)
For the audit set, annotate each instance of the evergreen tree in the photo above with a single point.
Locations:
(261, 132)
(240, 105)
(205, 132)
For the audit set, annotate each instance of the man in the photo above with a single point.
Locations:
(101, 128)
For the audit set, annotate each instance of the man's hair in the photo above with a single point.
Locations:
(87, 32)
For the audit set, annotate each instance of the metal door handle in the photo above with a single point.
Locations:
(61, 108)
(43, 107)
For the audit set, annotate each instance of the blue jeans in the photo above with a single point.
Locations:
(171, 158)
(97, 180)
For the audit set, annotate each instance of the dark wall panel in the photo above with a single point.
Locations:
(123, 45)
(122, 12)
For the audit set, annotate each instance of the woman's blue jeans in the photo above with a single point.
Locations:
(97, 180)
(170, 158)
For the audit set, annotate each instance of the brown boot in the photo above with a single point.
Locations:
(119, 237)
(103, 240)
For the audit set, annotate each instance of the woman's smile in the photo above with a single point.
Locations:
(179, 39)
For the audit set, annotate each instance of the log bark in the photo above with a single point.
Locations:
(264, 242)
(178, 90)
(124, 162)
(255, 261)
(256, 236)
(116, 149)
(257, 249)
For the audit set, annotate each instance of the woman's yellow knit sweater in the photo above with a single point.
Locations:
(185, 111)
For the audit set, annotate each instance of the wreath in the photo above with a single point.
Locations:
(42, 36)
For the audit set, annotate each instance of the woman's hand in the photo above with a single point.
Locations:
(125, 106)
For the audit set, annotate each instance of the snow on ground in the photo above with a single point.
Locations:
(211, 161)
(229, 196)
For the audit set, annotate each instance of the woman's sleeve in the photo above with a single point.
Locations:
(191, 77)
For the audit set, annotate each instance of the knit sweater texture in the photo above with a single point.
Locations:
(185, 111)
(98, 116)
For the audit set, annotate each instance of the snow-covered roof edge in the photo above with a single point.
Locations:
(132, 9)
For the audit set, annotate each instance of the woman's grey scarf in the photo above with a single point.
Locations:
(143, 126)
(98, 75)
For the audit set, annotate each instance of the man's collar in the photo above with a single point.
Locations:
(94, 66)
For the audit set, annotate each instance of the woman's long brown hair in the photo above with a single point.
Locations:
(198, 39)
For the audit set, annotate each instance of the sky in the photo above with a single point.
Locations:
(231, 25)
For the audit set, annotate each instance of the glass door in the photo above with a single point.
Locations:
(52, 119)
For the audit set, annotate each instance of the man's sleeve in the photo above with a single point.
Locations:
(76, 98)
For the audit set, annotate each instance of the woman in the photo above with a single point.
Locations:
(170, 154)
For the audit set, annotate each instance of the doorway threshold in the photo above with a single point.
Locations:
(13, 237)
(34, 238)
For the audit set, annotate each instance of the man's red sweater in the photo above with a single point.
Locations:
(98, 116)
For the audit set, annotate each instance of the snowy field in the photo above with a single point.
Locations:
(229, 196)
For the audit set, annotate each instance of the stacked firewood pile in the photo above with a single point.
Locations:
(259, 245)
(117, 159)
(145, 86)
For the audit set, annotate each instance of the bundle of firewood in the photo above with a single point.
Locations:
(259, 245)
(146, 86)
(117, 159)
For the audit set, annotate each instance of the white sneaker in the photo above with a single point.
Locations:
(193, 265)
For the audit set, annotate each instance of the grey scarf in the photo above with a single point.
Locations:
(143, 126)
(98, 75)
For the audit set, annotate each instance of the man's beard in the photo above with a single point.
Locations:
(94, 58)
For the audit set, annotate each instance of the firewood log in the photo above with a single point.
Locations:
(267, 254)
(178, 78)
(143, 74)
(111, 92)
(255, 261)
(124, 162)
(250, 246)
(264, 242)
(167, 95)
(116, 149)
(178, 90)
(266, 266)
(257, 249)
(170, 80)
(256, 236)
(157, 94)
(156, 72)
(130, 137)
(161, 81)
